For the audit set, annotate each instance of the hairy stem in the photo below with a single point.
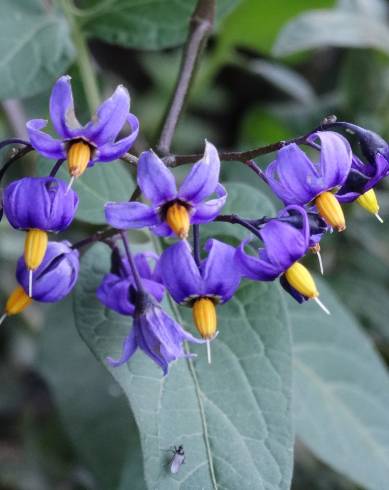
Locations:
(200, 26)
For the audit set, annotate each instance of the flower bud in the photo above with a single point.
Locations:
(177, 217)
(204, 317)
(55, 276)
(330, 210)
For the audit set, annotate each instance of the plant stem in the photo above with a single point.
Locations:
(56, 167)
(196, 244)
(134, 269)
(200, 26)
(14, 158)
(83, 59)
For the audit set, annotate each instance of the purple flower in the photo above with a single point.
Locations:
(98, 135)
(117, 290)
(39, 203)
(56, 275)
(284, 244)
(172, 210)
(156, 334)
(295, 179)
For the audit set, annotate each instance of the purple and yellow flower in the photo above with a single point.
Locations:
(117, 290)
(284, 244)
(54, 278)
(203, 286)
(83, 146)
(172, 210)
(39, 205)
(155, 333)
(295, 179)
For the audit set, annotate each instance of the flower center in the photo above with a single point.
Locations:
(369, 201)
(301, 280)
(79, 155)
(204, 317)
(35, 248)
(177, 217)
(330, 210)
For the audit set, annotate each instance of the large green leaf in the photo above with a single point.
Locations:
(92, 406)
(341, 393)
(147, 24)
(233, 417)
(99, 184)
(35, 47)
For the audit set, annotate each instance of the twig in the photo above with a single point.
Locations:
(196, 244)
(200, 26)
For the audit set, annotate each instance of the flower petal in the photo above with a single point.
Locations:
(112, 151)
(155, 179)
(62, 109)
(129, 347)
(125, 215)
(180, 273)
(335, 157)
(207, 211)
(254, 267)
(219, 271)
(203, 178)
(114, 293)
(162, 230)
(110, 118)
(43, 143)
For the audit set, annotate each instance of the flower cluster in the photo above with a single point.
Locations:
(312, 184)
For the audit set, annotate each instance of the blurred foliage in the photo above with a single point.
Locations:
(53, 392)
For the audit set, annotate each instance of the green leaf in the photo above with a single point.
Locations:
(256, 24)
(341, 392)
(147, 24)
(35, 47)
(92, 406)
(340, 28)
(101, 183)
(233, 417)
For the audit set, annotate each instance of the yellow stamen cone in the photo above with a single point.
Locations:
(16, 303)
(177, 217)
(204, 317)
(330, 210)
(369, 201)
(79, 155)
(301, 280)
(35, 248)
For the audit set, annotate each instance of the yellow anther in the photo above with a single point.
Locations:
(35, 248)
(79, 155)
(301, 280)
(17, 301)
(330, 210)
(204, 317)
(368, 200)
(177, 217)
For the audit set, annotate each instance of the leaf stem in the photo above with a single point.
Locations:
(200, 26)
(87, 71)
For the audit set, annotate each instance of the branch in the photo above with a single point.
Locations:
(200, 26)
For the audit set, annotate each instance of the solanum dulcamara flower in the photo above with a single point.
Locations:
(214, 280)
(83, 146)
(365, 174)
(296, 179)
(284, 245)
(38, 205)
(171, 210)
(53, 279)
(153, 331)
(117, 289)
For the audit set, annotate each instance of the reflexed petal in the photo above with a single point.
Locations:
(112, 151)
(155, 179)
(125, 215)
(293, 177)
(43, 143)
(110, 118)
(220, 272)
(203, 177)
(254, 267)
(62, 109)
(154, 288)
(207, 211)
(143, 264)
(129, 347)
(335, 158)
(179, 272)
(114, 293)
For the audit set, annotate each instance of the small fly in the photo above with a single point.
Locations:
(178, 459)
